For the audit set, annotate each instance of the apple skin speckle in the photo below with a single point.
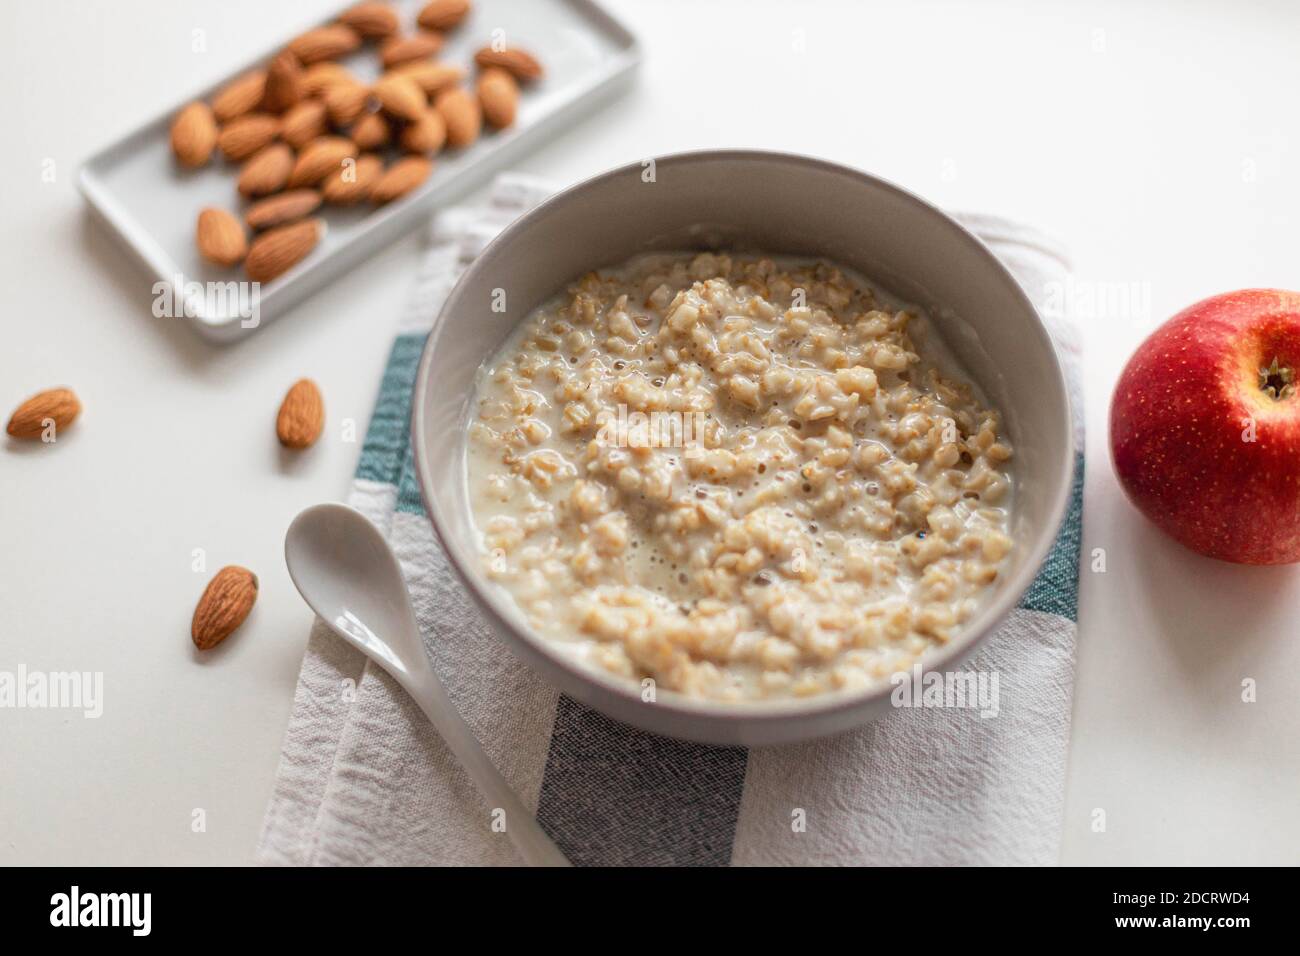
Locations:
(1199, 443)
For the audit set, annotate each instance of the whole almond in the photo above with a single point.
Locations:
(521, 64)
(400, 96)
(353, 181)
(371, 20)
(498, 94)
(284, 85)
(286, 207)
(400, 178)
(266, 172)
(277, 250)
(55, 406)
(245, 135)
(225, 603)
(220, 237)
(346, 102)
(304, 123)
(417, 46)
(425, 135)
(302, 415)
(319, 158)
(319, 77)
(324, 43)
(194, 135)
(239, 96)
(443, 14)
(460, 111)
(370, 132)
(430, 75)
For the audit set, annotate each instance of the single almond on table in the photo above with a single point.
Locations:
(400, 96)
(417, 46)
(353, 181)
(239, 96)
(277, 250)
(371, 132)
(302, 415)
(425, 135)
(319, 158)
(521, 64)
(266, 172)
(224, 605)
(371, 20)
(346, 102)
(244, 136)
(319, 77)
(400, 178)
(443, 14)
(286, 207)
(56, 406)
(284, 85)
(220, 237)
(460, 111)
(304, 123)
(430, 75)
(498, 94)
(194, 135)
(324, 43)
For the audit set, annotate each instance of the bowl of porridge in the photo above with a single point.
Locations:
(721, 444)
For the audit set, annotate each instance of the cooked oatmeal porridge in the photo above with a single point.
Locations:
(745, 478)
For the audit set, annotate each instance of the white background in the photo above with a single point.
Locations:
(1154, 139)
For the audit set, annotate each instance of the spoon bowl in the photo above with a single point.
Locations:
(355, 583)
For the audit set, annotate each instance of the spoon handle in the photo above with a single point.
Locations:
(521, 826)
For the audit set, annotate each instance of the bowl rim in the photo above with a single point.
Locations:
(823, 706)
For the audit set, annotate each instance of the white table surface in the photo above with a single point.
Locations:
(1152, 138)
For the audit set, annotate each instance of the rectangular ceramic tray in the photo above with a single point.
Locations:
(151, 204)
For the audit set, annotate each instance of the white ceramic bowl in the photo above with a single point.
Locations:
(779, 204)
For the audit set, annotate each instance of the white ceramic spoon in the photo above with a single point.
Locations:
(345, 571)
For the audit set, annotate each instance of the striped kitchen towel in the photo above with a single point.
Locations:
(364, 779)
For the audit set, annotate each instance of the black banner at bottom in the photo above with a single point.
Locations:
(334, 906)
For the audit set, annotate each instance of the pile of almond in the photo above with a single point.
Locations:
(306, 131)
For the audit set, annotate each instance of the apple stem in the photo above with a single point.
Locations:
(1276, 381)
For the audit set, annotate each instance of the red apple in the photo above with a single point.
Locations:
(1205, 427)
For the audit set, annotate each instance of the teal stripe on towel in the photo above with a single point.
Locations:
(408, 488)
(1056, 589)
(388, 437)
